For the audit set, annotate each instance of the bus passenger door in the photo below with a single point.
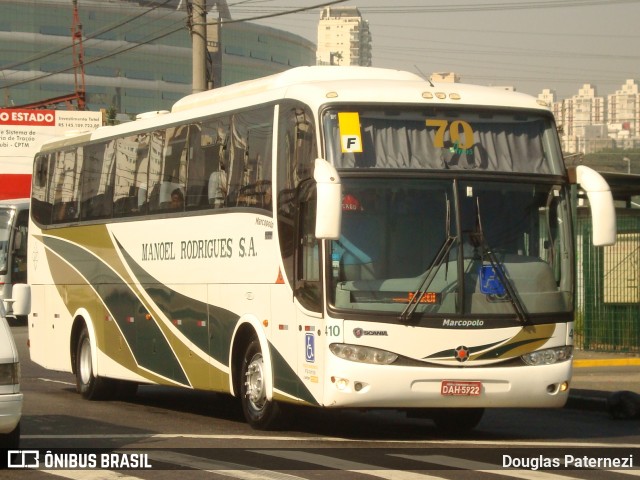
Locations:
(308, 295)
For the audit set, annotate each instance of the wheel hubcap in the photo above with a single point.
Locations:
(254, 383)
(85, 362)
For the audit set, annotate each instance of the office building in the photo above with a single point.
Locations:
(343, 38)
(137, 56)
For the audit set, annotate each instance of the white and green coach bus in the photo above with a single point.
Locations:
(329, 236)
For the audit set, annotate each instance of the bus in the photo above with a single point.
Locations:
(14, 221)
(334, 237)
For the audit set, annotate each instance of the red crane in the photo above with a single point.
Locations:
(78, 72)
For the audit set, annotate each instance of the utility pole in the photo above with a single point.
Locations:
(78, 58)
(199, 44)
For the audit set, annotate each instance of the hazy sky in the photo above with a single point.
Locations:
(528, 44)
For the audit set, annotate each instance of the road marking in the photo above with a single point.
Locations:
(50, 380)
(227, 469)
(90, 475)
(347, 465)
(270, 438)
(461, 463)
(633, 473)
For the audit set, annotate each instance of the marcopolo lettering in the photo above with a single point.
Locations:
(462, 323)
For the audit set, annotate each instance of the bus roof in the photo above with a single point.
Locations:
(317, 75)
(316, 86)
(357, 84)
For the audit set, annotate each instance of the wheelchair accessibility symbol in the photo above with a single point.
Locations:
(310, 350)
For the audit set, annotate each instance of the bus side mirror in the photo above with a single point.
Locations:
(603, 212)
(329, 194)
(20, 304)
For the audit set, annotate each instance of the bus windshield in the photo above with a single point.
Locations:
(443, 139)
(446, 242)
(466, 246)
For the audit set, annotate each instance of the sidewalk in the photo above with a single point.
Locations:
(597, 375)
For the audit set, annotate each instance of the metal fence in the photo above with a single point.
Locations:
(608, 287)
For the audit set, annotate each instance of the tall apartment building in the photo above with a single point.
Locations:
(624, 114)
(344, 37)
(581, 119)
(589, 123)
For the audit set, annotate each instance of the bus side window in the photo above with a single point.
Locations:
(196, 194)
(66, 185)
(96, 171)
(130, 155)
(173, 172)
(214, 142)
(250, 160)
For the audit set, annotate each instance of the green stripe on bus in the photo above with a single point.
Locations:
(149, 346)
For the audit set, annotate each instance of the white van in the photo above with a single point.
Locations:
(14, 221)
(10, 395)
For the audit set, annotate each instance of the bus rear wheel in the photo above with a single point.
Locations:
(89, 385)
(260, 413)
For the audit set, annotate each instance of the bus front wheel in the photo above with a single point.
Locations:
(260, 413)
(89, 385)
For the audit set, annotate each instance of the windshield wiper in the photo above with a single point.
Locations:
(436, 263)
(498, 270)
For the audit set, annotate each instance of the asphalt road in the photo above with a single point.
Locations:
(203, 435)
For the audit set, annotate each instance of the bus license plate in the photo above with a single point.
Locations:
(468, 389)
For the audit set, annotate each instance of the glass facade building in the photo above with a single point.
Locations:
(137, 58)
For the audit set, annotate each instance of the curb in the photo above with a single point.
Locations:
(606, 362)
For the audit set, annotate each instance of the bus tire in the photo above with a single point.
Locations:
(457, 420)
(125, 389)
(260, 413)
(88, 385)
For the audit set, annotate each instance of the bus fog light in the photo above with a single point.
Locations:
(361, 354)
(548, 356)
(341, 383)
(564, 386)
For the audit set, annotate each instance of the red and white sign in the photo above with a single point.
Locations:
(22, 131)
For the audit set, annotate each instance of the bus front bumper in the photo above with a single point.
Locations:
(350, 384)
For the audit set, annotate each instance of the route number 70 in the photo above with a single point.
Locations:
(457, 129)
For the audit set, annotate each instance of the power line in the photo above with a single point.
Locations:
(475, 7)
(159, 37)
(107, 29)
(280, 14)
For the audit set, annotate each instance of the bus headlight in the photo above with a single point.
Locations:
(359, 353)
(548, 356)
